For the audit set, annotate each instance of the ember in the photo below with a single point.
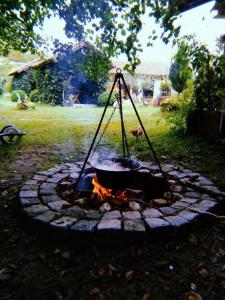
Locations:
(106, 193)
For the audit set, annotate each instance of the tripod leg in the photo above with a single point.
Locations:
(96, 133)
(145, 133)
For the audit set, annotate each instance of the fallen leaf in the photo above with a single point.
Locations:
(203, 272)
(94, 291)
(193, 296)
(129, 275)
(66, 254)
(100, 271)
(146, 296)
(111, 267)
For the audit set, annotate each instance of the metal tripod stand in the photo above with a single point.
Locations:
(119, 79)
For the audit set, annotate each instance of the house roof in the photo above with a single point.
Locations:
(145, 68)
(39, 62)
(184, 5)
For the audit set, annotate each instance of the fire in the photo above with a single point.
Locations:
(106, 193)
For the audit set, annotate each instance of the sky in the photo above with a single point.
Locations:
(198, 21)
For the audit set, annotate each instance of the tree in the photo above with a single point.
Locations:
(114, 24)
(180, 71)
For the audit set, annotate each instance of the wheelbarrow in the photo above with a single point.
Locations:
(9, 134)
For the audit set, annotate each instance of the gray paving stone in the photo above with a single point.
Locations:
(131, 214)
(176, 221)
(189, 200)
(50, 198)
(64, 222)
(134, 225)
(74, 211)
(177, 174)
(205, 182)
(58, 205)
(28, 194)
(48, 185)
(112, 215)
(74, 175)
(28, 187)
(35, 209)
(48, 192)
(53, 180)
(192, 195)
(39, 178)
(59, 176)
(208, 197)
(188, 215)
(94, 214)
(46, 217)
(156, 223)
(204, 205)
(167, 211)
(31, 182)
(167, 168)
(85, 225)
(109, 224)
(151, 213)
(29, 201)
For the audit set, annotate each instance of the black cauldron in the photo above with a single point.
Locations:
(117, 178)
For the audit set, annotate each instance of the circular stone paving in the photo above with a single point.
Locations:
(42, 202)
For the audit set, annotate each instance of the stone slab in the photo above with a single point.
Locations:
(58, 205)
(152, 213)
(64, 222)
(85, 225)
(94, 214)
(28, 194)
(29, 201)
(50, 198)
(35, 209)
(48, 192)
(46, 217)
(131, 214)
(48, 185)
(134, 225)
(115, 214)
(176, 221)
(74, 211)
(188, 215)
(109, 224)
(156, 223)
(167, 211)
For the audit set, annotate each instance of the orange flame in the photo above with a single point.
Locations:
(106, 193)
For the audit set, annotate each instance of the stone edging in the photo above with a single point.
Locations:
(41, 202)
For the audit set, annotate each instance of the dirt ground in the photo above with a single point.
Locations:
(189, 266)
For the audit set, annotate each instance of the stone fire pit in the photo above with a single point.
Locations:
(45, 201)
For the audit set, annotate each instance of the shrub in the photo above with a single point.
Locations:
(34, 96)
(8, 86)
(24, 81)
(18, 95)
(103, 97)
(1, 91)
(178, 117)
(170, 104)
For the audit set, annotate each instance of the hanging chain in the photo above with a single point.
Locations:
(124, 135)
(105, 128)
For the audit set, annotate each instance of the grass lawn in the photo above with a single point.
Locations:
(58, 133)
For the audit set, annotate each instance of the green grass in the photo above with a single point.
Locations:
(47, 127)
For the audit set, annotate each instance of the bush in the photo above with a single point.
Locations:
(34, 96)
(18, 95)
(103, 97)
(170, 104)
(179, 116)
(24, 81)
(8, 87)
(1, 91)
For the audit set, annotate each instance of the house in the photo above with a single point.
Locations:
(62, 79)
(147, 79)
